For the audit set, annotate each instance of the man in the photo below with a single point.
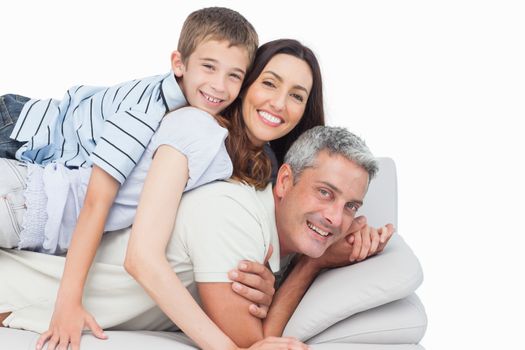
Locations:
(313, 203)
(309, 211)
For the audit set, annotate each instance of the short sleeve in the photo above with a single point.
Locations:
(124, 139)
(230, 233)
(198, 136)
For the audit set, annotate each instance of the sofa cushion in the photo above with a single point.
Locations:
(340, 293)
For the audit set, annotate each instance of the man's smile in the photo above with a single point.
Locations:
(318, 230)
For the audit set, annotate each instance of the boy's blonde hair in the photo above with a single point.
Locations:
(217, 23)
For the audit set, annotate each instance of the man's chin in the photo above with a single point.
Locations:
(314, 253)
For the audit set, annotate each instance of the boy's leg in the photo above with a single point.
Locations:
(10, 108)
(12, 201)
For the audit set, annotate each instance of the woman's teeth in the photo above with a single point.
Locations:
(269, 117)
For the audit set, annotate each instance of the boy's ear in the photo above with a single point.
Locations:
(176, 64)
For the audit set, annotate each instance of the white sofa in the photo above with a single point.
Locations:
(367, 306)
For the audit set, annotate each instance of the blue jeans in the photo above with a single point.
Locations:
(10, 108)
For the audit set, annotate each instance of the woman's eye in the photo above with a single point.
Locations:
(298, 97)
(268, 83)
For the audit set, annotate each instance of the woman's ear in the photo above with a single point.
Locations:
(177, 66)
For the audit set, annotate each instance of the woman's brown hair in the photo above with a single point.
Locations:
(251, 164)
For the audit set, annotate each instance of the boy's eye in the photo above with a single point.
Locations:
(208, 66)
(236, 76)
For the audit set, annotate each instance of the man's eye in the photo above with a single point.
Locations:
(352, 207)
(324, 193)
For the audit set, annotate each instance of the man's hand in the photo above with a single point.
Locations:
(255, 282)
(66, 328)
(368, 241)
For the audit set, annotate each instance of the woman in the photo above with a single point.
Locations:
(283, 90)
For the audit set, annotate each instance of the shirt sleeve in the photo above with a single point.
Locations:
(124, 139)
(230, 233)
(198, 136)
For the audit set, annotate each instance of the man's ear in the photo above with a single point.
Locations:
(176, 64)
(284, 180)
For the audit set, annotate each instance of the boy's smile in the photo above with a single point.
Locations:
(212, 76)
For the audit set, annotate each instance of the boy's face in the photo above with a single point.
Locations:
(212, 76)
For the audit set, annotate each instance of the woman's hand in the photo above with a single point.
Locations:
(255, 282)
(66, 327)
(285, 343)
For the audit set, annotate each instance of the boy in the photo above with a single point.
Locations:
(109, 128)
(69, 131)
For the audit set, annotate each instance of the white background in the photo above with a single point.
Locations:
(438, 86)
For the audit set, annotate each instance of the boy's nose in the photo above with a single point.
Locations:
(218, 84)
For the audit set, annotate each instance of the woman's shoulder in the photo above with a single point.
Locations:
(190, 122)
(189, 113)
(190, 128)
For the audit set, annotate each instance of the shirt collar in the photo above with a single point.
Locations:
(172, 93)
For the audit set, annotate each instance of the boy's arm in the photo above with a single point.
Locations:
(69, 317)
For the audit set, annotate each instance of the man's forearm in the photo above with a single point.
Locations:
(289, 295)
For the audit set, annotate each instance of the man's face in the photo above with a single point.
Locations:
(319, 208)
(212, 76)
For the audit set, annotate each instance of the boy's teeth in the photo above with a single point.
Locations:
(318, 230)
(269, 117)
(211, 99)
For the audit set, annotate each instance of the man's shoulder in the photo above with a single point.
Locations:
(227, 194)
(220, 207)
(220, 191)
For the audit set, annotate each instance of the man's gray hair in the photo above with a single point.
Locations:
(304, 151)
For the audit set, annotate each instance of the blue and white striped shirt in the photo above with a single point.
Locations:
(109, 127)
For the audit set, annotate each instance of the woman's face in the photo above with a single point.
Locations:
(274, 104)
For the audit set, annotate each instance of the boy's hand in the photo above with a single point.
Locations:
(66, 328)
(255, 282)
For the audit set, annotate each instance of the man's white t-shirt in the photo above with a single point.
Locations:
(219, 225)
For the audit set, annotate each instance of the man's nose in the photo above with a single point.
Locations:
(333, 214)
